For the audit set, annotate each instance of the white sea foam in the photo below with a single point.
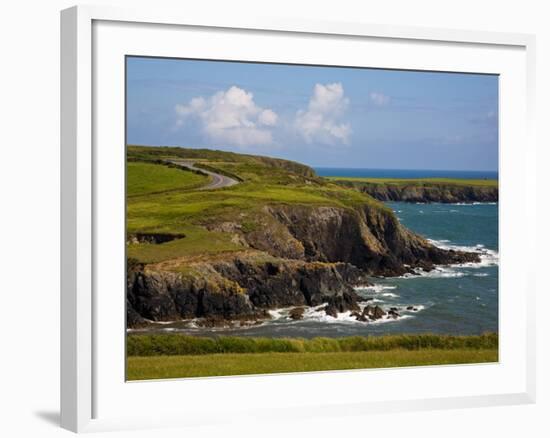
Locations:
(318, 314)
(488, 257)
(278, 313)
(387, 319)
(418, 308)
(390, 295)
(376, 288)
(437, 272)
(473, 203)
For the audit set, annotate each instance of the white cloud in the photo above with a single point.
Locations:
(268, 118)
(379, 99)
(230, 117)
(321, 122)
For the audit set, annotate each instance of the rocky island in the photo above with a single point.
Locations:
(281, 237)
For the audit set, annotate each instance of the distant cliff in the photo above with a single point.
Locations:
(425, 192)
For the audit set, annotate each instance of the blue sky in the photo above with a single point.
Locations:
(321, 116)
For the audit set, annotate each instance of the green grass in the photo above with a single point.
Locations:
(164, 199)
(220, 159)
(165, 367)
(197, 241)
(168, 212)
(148, 178)
(176, 344)
(418, 181)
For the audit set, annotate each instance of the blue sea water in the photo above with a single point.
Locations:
(405, 173)
(449, 300)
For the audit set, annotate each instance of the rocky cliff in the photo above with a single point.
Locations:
(242, 286)
(368, 237)
(281, 237)
(296, 255)
(425, 193)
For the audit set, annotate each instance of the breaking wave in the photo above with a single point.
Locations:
(488, 257)
(318, 314)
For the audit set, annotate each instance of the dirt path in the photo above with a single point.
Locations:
(218, 181)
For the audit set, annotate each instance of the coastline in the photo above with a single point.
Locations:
(286, 256)
(378, 291)
(426, 191)
(371, 291)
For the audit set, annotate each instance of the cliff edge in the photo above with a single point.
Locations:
(282, 237)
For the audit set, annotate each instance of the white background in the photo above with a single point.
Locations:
(29, 181)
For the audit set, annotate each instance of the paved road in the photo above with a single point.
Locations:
(218, 181)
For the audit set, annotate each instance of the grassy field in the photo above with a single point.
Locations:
(174, 355)
(147, 178)
(197, 241)
(163, 199)
(164, 367)
(178, 344)
(419, 181)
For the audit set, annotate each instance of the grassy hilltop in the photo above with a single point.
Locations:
(166, 199)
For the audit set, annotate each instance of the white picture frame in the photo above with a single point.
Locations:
(89, 399)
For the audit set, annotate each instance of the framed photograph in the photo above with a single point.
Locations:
(304, 218)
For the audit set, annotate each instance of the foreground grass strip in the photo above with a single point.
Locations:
(177, 344)
(164, 367)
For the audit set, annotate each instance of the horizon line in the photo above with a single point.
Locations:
(402, 168)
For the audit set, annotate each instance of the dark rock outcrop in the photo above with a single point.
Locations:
(297, 313)
(393, 313)
(373, 312)
(370, 238)
(169, 296)
(238, 288)
(302, 256)
(155, 238)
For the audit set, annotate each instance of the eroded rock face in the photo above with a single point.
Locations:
(370, 238)
(444, 193)
(301, 256)
(238, 288)
(169, 296)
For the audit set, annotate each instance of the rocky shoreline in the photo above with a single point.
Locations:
(426, 193)
(297, 256)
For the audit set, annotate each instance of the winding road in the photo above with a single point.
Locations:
(218, 181)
